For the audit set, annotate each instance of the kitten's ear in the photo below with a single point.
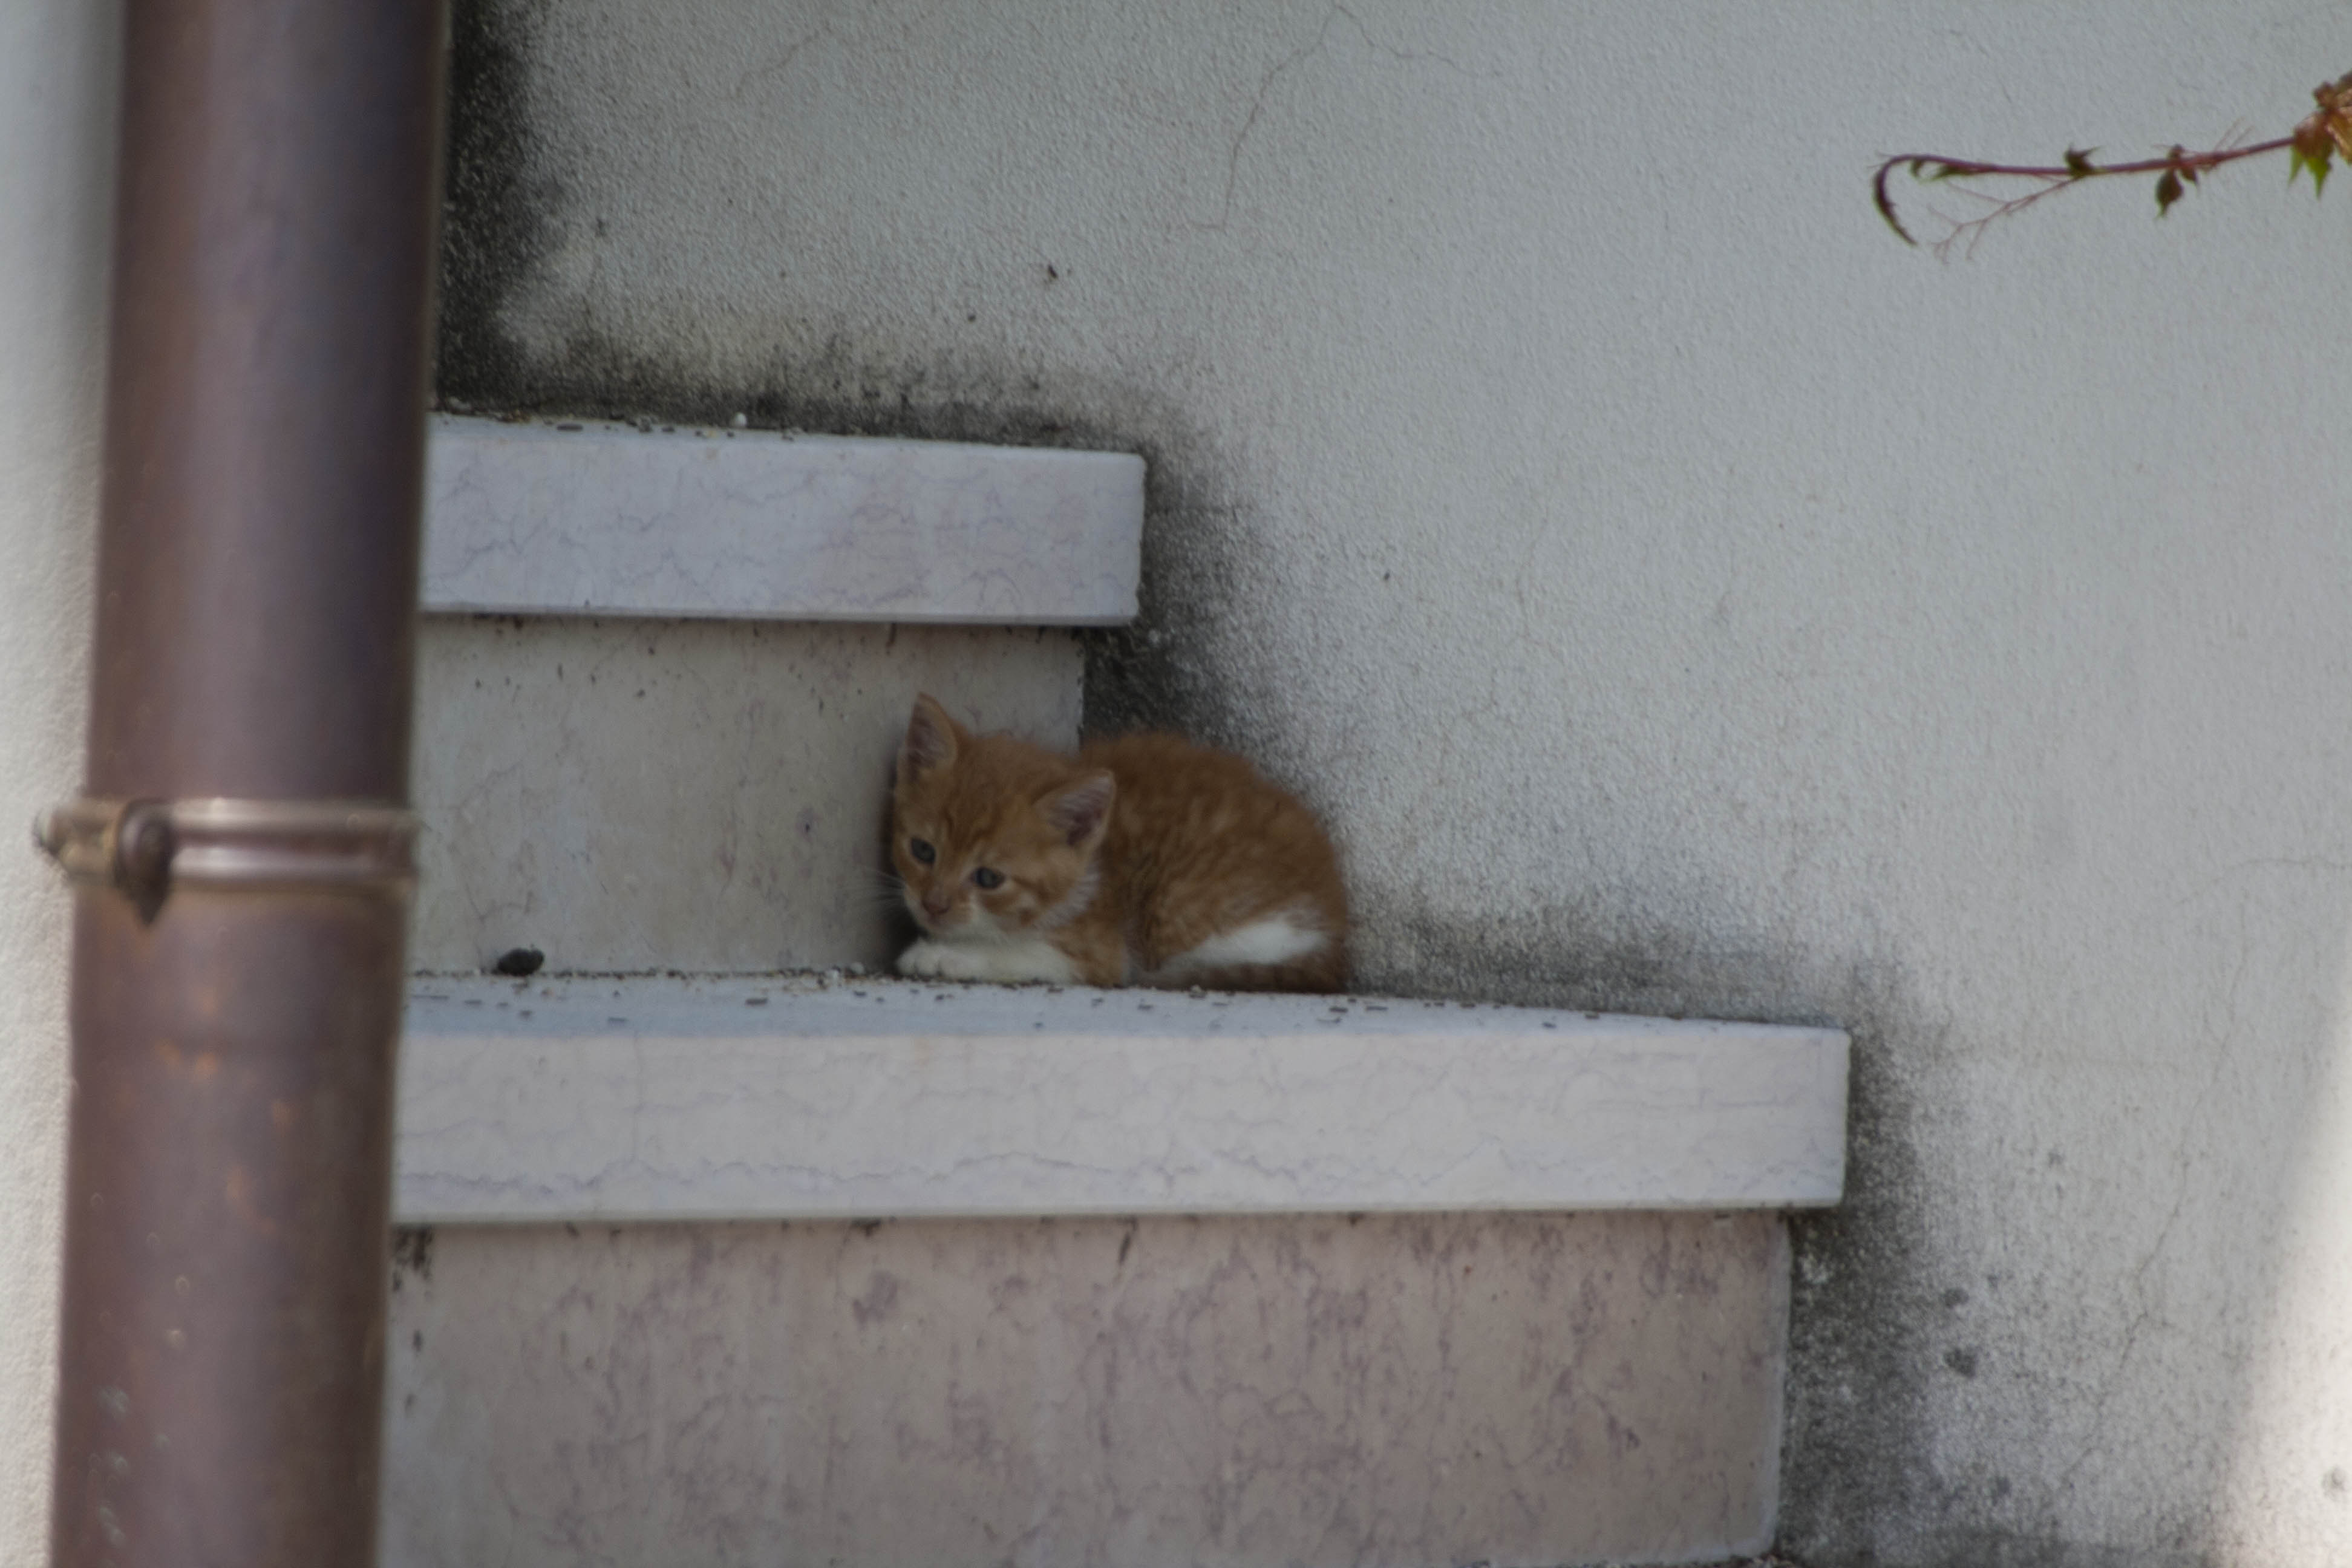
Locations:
(1081, 812)
(931, 739)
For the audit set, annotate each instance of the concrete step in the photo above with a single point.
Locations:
(670, 745)
(722, 1271)
(781, 1269)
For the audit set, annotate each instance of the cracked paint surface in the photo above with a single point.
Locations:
(1383, 1390)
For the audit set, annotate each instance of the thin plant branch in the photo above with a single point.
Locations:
(2324, 134)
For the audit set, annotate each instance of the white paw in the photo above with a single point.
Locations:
(1007, 963)
(928, 960)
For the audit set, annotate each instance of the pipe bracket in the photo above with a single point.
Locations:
(145, 848)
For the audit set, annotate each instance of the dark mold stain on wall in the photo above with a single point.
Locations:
(1870, 1321)
(494, 206)
(412, 1254)
(503, 214)
(1858, 1487)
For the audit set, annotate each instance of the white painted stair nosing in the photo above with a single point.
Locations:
(594, 517)
(675, 1098)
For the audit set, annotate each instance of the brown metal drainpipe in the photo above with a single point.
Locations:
(242, 850)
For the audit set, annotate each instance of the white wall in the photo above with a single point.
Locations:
(1678, 594)
(1773, 621)
(57, 103)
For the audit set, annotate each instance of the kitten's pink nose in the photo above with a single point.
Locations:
(935, 905)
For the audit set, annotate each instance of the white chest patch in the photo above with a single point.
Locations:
(1277, 938)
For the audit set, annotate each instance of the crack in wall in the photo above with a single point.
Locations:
(1314, 45)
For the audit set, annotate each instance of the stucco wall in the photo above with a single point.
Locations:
(1679, 595)
(57, 100)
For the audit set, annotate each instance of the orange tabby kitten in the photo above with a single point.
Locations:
(1144, 861)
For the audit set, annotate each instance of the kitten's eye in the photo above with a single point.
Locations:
(920, 849)
(987, 877)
